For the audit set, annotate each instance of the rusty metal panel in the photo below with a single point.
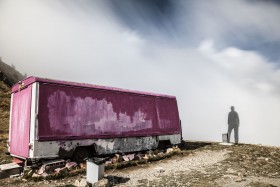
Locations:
(66, 148)
(24, 83)
(67, 112)
(20, 122)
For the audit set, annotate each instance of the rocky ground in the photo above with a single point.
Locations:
(195, 164)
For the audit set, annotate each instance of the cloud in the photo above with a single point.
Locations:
(249, 68)
(248, 16)
(248, 25)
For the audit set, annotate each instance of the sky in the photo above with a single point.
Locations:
(209, 54)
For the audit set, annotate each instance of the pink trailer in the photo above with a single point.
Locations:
(58, 119)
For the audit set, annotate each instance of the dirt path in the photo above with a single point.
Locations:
(157, 173)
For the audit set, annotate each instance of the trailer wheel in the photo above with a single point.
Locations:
(163, 144)
(81, 154)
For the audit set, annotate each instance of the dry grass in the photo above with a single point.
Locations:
(4, 107)
(4, 121)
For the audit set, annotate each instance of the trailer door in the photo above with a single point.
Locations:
(20, 122)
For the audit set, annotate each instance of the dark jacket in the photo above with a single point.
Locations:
(233, 118)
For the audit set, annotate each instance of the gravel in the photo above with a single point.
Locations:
(198, 161)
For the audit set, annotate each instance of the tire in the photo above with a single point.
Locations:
(81, 154)
(163, 144)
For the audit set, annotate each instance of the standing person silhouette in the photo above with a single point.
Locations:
(233, 123)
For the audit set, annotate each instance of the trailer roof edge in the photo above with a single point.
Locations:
(29, 80)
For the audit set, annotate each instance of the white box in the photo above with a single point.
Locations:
(94, 172)
(225, 137)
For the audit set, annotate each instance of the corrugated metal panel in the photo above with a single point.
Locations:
(67, 112)
(20, 122)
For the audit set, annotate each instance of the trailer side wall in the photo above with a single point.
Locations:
(20, 123)
(67, 112)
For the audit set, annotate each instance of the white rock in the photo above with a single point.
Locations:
(81, 183)
(227, 144)
(77, 183)
(103, 182)
(169, 150)
(160, 169)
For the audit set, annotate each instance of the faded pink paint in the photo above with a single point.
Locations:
(20, 122)
(87, 113)
(69, 110)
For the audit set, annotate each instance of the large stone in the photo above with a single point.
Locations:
(77, 183)
(71, 165)
(146, 157)
(81, 183)
(35, 175)
(169, 150)
(125, 157)
(101, 183)
(160, 169)
(131, 156)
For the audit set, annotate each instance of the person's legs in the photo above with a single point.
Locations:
(236, 135)
(230, 127)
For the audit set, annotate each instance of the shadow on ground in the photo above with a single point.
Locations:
(113, 180)
(188, 145)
